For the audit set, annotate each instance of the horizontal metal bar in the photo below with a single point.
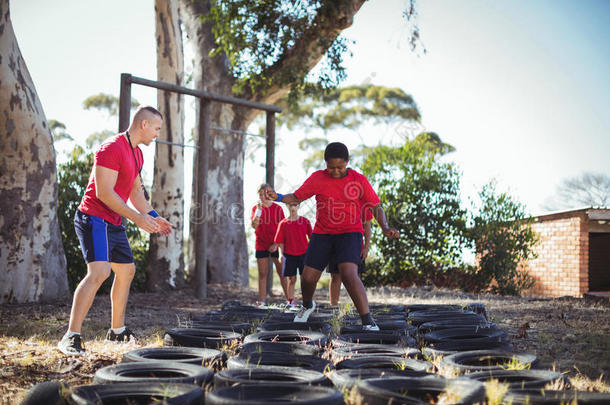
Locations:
(203, 94)
(237, 131)
(176, 144)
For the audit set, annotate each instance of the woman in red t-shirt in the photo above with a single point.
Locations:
(266, 216)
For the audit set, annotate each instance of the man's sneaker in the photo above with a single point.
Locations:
(303, 314)
(370, 328)
(71, 345)
(126, 336)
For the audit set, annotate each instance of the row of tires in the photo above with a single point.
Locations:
(279, 363)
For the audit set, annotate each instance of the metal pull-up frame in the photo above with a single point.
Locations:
(203, 159)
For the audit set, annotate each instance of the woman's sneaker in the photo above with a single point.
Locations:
(71, 345)
(126, 336)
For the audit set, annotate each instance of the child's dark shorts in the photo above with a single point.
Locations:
(292, 264)
(333, 267)
(101, 241)
(341, 248)
(261, 254)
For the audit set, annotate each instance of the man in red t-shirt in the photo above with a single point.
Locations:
(115, 178)
(266, 216)
(341, 195)
(292, 238)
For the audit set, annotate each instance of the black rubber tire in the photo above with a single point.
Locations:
(347, 378)
(466, 339)
(452, 324)
(279, 359)
(47, 393)
(385, 362)
(423, 390)
(430, 353)
(383, 338)
(269, 375)
(477, 308)
(233, 317)
(208, 338)
(518, 379)
(240, 327)
(289, 317)
(485, 360)
(360, 350)
(551, 397)
(277, 394)
(138, 393)
(418, 317)
(293, 336)
(315, 326)
(387, 309)
(389, 318)
(191, 355)
(279, 347)
(401, 327)
(154, 372)
(430, 307)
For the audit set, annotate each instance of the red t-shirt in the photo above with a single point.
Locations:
(265, 231)
(113, 154)
(294, 235)
(339, 202)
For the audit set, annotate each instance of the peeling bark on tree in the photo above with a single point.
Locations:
(227, 249)
(165, 267)
(32, 260)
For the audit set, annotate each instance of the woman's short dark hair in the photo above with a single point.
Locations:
(336, 150)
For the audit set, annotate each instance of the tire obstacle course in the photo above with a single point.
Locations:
(423, 354)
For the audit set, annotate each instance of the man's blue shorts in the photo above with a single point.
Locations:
(101, 241)
(341, 248)
(293, 263)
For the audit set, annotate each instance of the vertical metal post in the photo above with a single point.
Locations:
(201, 267)
(124, 102)
(269, 178)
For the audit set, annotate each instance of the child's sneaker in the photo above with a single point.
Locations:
(370, 328)
(261, 304)
(126, 336)
(293, 303)
(303, 314)
(71, 345)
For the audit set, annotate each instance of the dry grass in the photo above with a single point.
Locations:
(568, 334)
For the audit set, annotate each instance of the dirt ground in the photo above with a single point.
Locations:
(568, 334)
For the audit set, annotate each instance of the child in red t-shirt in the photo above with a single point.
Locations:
(341, 195)
(292, 238)
(266, 216)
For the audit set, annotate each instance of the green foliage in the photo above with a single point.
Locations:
(503, 239)
(58, 131)
(257, 35)
(349, 107)
(107, 103)
(420, 195)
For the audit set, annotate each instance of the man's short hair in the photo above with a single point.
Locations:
(336, 150)
(145, 113)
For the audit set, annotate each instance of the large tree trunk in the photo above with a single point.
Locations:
(226, 250)
(227, 256)
(165, 268)
(32, 260)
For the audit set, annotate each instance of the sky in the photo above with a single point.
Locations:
(519, 88)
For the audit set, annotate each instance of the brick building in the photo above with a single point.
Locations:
(573, 253)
